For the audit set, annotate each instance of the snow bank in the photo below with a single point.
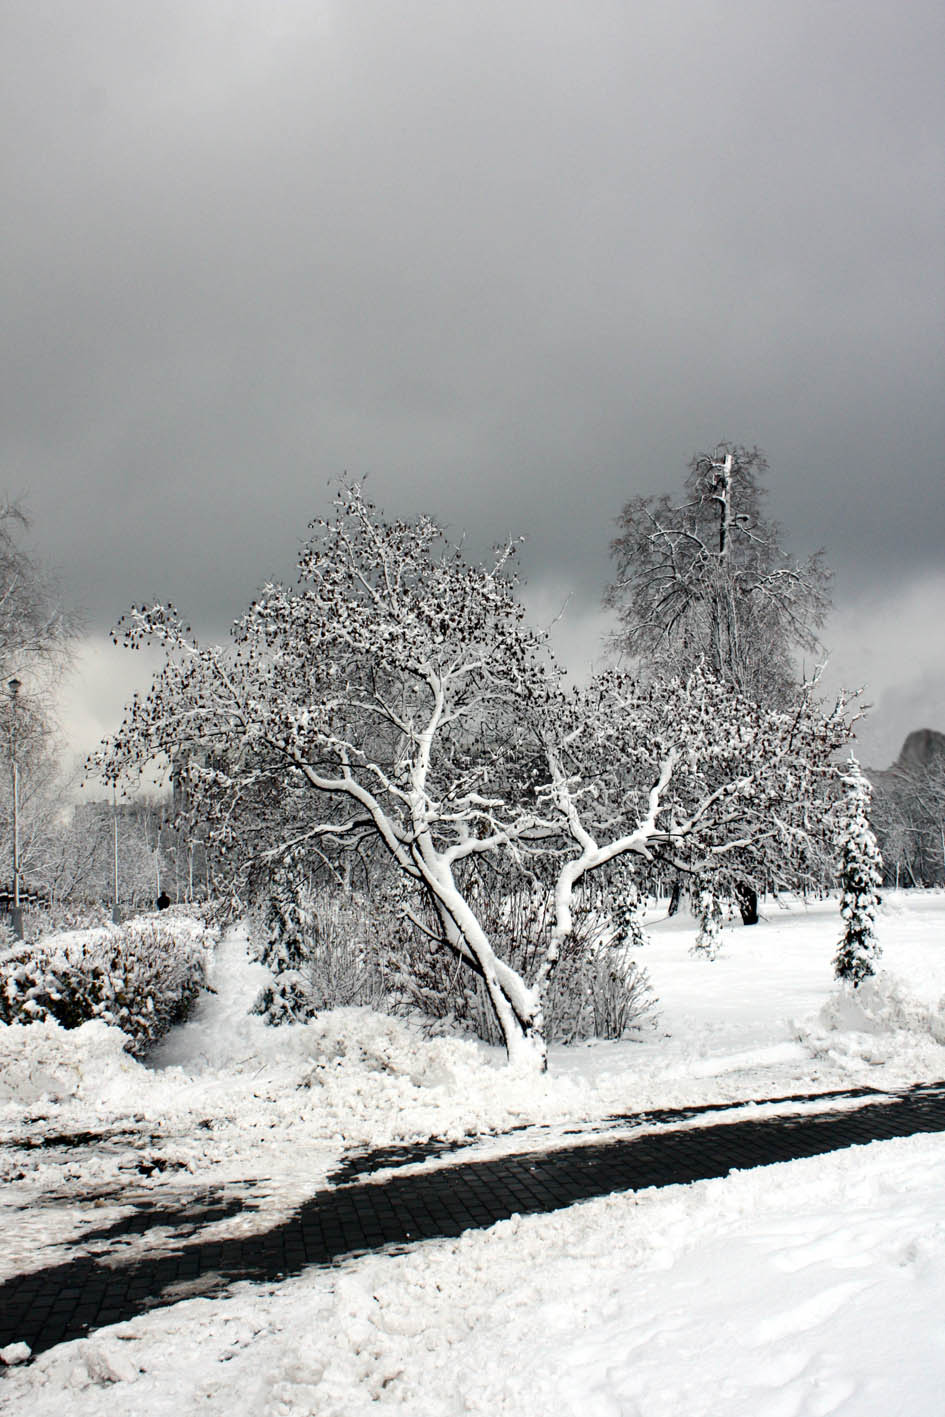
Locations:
(42, 1062)
(882, 1004)
(226, 1101)
(764, 1019)
(880, 1025)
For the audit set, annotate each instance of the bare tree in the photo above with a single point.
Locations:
(36, 630)
(27, 739)
(708, 579)
(79, 848)
(36, 633)
(925, 788)
(908, 811)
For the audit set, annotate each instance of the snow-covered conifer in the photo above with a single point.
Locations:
(628, 922)
(285, 952)
(860, 874)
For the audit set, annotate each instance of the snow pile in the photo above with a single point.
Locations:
(881, 1023)
(42, 1061)
(882, 1004)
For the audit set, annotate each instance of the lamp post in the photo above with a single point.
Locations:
(116, 910)
(16, 913)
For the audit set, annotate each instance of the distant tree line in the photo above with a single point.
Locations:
(65, 854)
(908, 812)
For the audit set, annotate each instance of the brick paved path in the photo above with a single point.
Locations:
(68, 1300)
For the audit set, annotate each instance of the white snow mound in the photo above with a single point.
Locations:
(882, 1004)
(43, 1060)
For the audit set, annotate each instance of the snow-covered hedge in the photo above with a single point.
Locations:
(142, 977)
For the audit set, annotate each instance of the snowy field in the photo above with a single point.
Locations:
(801, 1290)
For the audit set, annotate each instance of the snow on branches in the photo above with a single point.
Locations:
(396, 696)
(708, 578)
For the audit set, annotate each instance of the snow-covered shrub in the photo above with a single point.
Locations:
(344, 968)
(320, 947)
(142, 977)
(860, 874)
(596, 990)
(61, 916)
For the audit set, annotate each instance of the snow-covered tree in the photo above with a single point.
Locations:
(708, 579)
(397, 696)
(285, 951)
(860, 875)
(35, 628)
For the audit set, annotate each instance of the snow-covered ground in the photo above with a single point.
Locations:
(813, 1287)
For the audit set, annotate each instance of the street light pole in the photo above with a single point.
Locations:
(16, 914)
(116, 912)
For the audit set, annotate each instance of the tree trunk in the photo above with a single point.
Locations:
(518, 1008)
(746, 898)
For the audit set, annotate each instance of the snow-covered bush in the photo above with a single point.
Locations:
(627, 919)
(142, 977)
(320, 947)
(345, 966)
(596, 990)
(860, 874)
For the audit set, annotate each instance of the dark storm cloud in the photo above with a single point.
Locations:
(516, 261)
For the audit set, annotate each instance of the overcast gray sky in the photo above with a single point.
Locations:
(516, 261)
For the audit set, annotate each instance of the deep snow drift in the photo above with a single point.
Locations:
(812, 1287)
